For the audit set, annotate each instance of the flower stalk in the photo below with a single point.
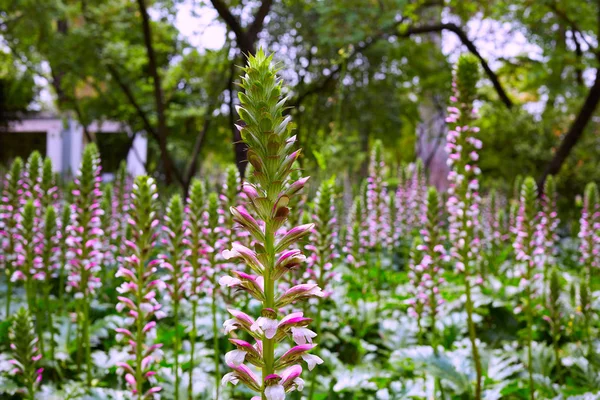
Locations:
(268, 136)
(26, 355)
(84, 244)
(463, 193)
(527, 254)
(175, 261)
(195, 218)
(138, 291)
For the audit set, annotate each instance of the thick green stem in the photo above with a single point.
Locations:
(215, 338)
(8, 294)
(269, 344)
(86, 340)
(192, 348)
(473, 337)
(176, 350)
(139, 322)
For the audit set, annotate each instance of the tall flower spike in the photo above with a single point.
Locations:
(416, 192)
(463, 192)
(139, 289)
(268, 135)
(376, 198)
(527, 256)
(321, 259)
(548, 226)
(175, 261)
(84, 242)
(9, 218)
(195, 218)
(589, 233)
(26, 253)
(26, 355)
(321, 241)
(427, 259)
(47, 265)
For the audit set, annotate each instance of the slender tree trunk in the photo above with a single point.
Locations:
(162, 131)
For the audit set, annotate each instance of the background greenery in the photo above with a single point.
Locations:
(359, 70)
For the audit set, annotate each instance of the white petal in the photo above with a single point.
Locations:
(311, 360)
(235, 357)
(275, 392)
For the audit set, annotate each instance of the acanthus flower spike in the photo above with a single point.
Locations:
(177, 267)
(426, 267)
(26, 355)
(9, 219)
(268, 135)
(548, 227)
(463, 193)
(84, 233)
(138, 290)
(527, 256)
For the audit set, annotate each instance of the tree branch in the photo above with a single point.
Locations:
(162, 131)
(414, 30)
(246, 38)
(129, 94)
(470, 46)
(575, 131)
(259, 20)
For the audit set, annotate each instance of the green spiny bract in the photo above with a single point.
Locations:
(467, 76)
(267, 132)
(25, 352)
(356, 233)
(270, 151)
(48, 183)
(50, 235)
(213, 210)
(232, 183)
(33, 175)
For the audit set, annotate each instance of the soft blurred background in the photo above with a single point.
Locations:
(154, 82)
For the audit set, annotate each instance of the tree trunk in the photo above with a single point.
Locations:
(162, 131)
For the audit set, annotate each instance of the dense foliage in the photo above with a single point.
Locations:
(358, 71)
(409, 293)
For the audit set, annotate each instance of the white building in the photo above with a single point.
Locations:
(63, 140)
